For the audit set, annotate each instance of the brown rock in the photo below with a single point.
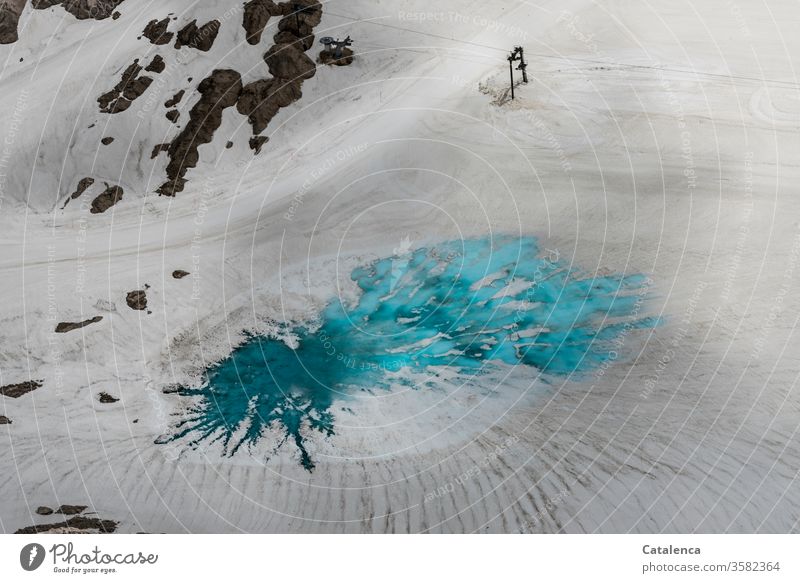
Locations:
(261, 100)
(137, 300)
(256, 16)
(83, 523)
(70, 509)
(129, 88)
(107, 140)
(156, 32)
(172, 115)
(201, 38)
(64, 327)
(5, 420)
(44, 510)
(82, 186)
(157, 65)
(106, 399)
(158, 148)
(82, 9)
(105, 200)
(302, 43)
(179, 274)
(288, 62)
(175, 99)
(328, 58)
(10, 11)
(218, 91)
(256, 142)
(17, 390)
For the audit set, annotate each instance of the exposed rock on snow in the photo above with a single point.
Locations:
(257, 142)
(17, 390)
(172, 115)
(70, 509)
(129, 88)
(137, 300)
(156, 32)
(328, 58)
(179, 274)
(44, 511)
(256, 17)
(64, 327)
(297, 27)
(175, 99)
(10, 11)
(5, 420)
(107, 140)
(158, 148)
(262, 100)
(200, 38)
(82, 186)
(105, 200)
(289, 63)
(82, 9)
(157, 65)
(9, 20)
(106, 399)
(74, 525)
(218, 91)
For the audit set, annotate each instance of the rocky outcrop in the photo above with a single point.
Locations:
(172, 115)
(287, 63)
(156, 32)
(158, 148)
(179, 274)
(10, 11)
(82, 186)
(106, 399)
(73, 525)
(129, 88)
(137, 300)
(44, 511)
(218, 91)
(5, 420)
(297, 27)
(107, 140)
(157, 65)
(175, 99)
(257, 142)
(200, 38)
(261, 100)
(329, 58)
(17, 390)
(64, 327)
(82, 9)
(256, 17)
(70, 509)
(106, 199)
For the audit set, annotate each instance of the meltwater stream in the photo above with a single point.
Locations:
(468, 306)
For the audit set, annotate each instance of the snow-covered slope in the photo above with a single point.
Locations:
(656, 139)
